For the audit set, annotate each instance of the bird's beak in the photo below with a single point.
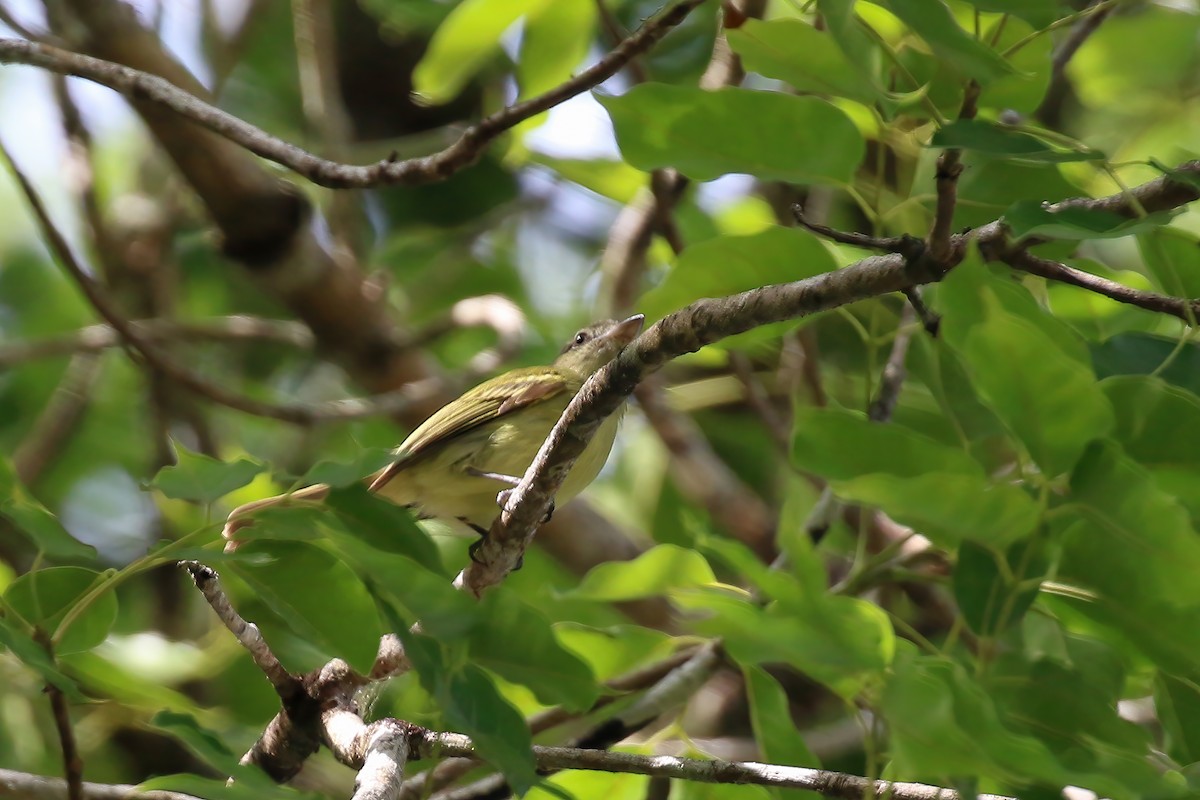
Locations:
(627, 330)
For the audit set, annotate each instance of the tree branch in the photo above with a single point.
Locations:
(709, 320)
(426, 744)
(24, 786)
(461, 153)
(1186, 310)
(297, 413)
(286, 685)
(949, 167)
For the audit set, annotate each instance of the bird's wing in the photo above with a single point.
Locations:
(490, 400)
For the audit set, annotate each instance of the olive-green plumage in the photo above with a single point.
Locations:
(495, 428)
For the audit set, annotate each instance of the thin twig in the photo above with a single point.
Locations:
(885, 244)
(1049, 111)
(708, 320)
(829, 784)
(949, 167)
(1186, 310)
(893, 371)
(95, 338)
(461, 153)
(24, 786)
(72, 762)
(50, 430)
(286, 685)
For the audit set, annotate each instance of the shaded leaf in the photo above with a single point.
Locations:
(31, 518)
(516, 641)
(34, 656)
(774, 729)
(384, 526)
(340, 474)
(1177, 699)
(988, 137)
(990, 598)
(471, 704)
(1137, 353)
(1030, 218)
(704, 134)
(318, 597)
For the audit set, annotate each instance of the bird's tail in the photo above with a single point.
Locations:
(240, 517)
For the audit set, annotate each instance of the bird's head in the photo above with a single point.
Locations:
(597, 344)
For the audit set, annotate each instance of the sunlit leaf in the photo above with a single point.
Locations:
(704, 133)
(730, 264)
(934, 23)
(44, 597)
(659, 570)
(203, 479)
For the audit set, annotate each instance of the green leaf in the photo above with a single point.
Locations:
(383, 525)
(1038, 13)
(988, 137)
(1157, 424)
(248, 786)
(516, 642)
(774, 729)
(317, 596)
(1142, 353)
(992, 599)
(467, 39)
(704, 133)
(659, 570)
(1031, 218)
(555, 40)
(340, 474)
(1072, 708)
(1177, 699)
(471, 704)
(202, 479)
(205, 744)
(1034, 381)
(1131, 541)
(839, 445)
(44, 597)
(842, 642)
(731, 264)
(943, 723)
(948, 507)
(34, 656)
(1170, 255)
(31, 518)
(794, 51)
(933, 22)
(845, 28)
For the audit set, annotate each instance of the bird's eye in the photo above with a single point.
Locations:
(581, 337)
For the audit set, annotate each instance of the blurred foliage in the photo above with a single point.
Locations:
(1041, 631)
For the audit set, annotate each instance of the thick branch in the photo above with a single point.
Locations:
(463, 152)
(709, 320)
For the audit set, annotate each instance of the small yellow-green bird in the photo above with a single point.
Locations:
(456, 462)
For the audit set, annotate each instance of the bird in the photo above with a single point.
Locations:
(458, 463)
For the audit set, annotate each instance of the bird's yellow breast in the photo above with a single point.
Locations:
(440, 483)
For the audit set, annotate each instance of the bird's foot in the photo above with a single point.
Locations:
(473, 549)
(502, 501)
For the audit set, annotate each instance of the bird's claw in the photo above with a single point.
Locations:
(502, 501)
(473, 548)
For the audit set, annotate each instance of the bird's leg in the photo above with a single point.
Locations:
(504, 494)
